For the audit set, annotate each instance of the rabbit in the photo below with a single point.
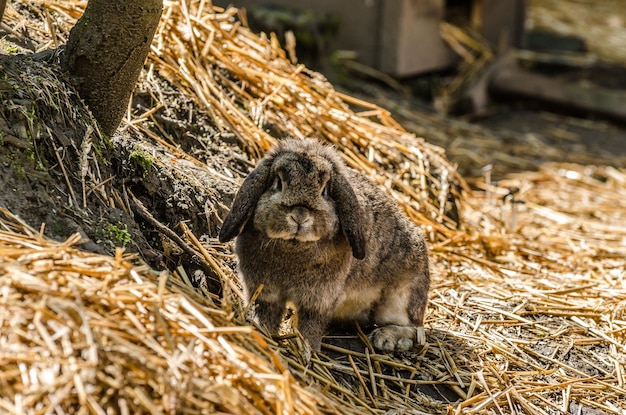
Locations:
(326, 240)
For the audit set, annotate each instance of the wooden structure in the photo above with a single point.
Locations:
(401, 37)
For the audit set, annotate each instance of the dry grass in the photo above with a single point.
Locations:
(602, 24)
(82, 332)
(246, 85)
(527, 311)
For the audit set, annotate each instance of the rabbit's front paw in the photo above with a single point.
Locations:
(397, 338)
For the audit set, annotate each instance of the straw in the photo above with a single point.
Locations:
(525, 315)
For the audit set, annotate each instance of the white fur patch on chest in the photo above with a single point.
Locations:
(357, 303)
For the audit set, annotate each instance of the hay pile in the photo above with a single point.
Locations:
(82, 332)
(248, 86)
(527, 311)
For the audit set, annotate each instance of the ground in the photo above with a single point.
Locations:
(40, 166)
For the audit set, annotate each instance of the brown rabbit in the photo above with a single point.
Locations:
(326, 239)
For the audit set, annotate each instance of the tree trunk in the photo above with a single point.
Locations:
(106, 51)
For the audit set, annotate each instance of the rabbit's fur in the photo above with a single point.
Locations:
(324, 238)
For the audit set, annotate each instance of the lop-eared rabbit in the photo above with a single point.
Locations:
(325, 239)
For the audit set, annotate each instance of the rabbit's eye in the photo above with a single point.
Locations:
(325, 191)
(278, 184)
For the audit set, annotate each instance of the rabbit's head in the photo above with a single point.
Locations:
(298, 192)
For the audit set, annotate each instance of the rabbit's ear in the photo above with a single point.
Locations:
(245, 201)
(350, 214)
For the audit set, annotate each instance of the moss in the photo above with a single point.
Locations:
(16, 163)
(11, 49)
(102, 146)
(119, 234)
(19, 170)
(142, 162)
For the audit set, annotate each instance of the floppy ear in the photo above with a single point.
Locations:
(350, 214)
(245, 201)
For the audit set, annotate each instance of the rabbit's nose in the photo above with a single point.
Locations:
(299, 217)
